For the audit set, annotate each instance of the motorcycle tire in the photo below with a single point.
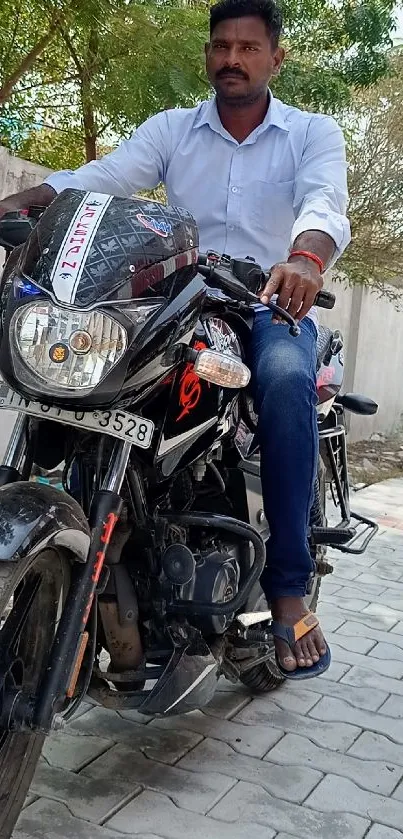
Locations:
(49, 572)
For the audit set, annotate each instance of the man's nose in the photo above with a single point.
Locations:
(233, 57)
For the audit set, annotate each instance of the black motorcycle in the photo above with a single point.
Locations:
(138, 583)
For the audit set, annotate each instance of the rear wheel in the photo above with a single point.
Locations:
(31, 597)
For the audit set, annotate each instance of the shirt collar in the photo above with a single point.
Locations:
(208, 115)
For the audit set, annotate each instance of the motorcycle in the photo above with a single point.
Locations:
(138, 583)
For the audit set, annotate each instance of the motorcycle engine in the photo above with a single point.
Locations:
(215, 580)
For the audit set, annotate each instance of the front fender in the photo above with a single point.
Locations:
(34, 516)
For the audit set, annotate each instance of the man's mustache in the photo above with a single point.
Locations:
(231, 71)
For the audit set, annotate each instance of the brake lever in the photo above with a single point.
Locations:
(225, 280)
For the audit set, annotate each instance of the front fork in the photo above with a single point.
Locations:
(70, 639)
(66, 653)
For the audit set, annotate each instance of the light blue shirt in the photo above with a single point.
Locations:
(249, 199)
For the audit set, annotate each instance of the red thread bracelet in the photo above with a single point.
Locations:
(309, 255)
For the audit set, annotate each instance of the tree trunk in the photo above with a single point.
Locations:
(89, 122)
(26, 64)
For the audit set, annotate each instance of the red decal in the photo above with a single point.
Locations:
(326, 375)
(189, 386)
(70, 264)
(75, 249)
(108, 528)
(107, 531)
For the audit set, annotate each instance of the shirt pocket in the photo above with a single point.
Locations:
(271, 206)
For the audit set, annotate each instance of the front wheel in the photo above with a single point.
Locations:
(32, 592)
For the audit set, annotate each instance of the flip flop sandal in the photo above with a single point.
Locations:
(292, 634)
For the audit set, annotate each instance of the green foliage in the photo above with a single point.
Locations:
(374, 131)
(78, 74)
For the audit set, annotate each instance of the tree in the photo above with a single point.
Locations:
(87, 72)
(374, 131)
(105, 71)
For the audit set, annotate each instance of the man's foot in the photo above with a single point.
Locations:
(309, 649)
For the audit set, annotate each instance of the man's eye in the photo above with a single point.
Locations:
(250, 49)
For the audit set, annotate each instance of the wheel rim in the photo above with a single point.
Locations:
(28, 619)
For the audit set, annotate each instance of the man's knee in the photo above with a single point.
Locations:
(282, 376)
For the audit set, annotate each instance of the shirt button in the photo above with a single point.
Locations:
(231, 227)
(234, 189)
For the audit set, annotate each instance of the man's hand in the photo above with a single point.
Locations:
(37, 196)
(297, 283)
(7, 206)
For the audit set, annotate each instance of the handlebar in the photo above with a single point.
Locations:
(234, 276)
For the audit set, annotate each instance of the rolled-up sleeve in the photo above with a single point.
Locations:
(321, 196)
(137, 163)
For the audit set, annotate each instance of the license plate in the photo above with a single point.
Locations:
(115, 423)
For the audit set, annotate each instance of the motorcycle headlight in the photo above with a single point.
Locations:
(66, 349)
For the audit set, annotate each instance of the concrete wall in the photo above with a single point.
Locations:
(15, 175)
(373, 333)
(372, 329)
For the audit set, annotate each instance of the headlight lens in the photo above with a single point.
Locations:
(66, 349)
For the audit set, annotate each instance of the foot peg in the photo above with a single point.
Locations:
(332, 535)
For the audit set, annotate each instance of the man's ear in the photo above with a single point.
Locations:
(279, 57)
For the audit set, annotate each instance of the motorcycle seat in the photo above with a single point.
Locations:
(323, 342)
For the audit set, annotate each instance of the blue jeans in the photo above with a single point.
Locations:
(284, 390)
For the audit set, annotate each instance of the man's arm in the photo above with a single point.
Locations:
(321, 226)
(138, 163)
(38, 196)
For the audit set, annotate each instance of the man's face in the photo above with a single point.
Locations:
(241, 59)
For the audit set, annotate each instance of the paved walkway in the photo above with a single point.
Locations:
(323, 759)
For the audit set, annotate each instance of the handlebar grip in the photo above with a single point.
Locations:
(325, 299)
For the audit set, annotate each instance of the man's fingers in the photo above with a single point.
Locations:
(297, 299)
(309, 300)
(286, 292)
(271, 286)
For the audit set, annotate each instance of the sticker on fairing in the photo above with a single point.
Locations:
(70, 262)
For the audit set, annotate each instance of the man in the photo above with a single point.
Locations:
(265, 180)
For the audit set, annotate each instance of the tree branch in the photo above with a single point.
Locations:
(27, 63)
(72, 51)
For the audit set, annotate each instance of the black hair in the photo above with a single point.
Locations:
(267, 10)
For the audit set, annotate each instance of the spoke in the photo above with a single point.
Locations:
(14, 623)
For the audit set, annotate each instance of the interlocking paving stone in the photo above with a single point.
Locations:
(68, 751)
(120, 763)
(355, 628)
(350, 643)
(373, 746)
(384, 621)
(226, 705)
(88, 798)
(50, 820)
(393, 707)
(248, 802)
(369, 700)
(382, 611)
(291, 783)
(379, 831)
(339, 794)
(254, 740)
(153, 812)
(361, 677)
(387, 652)
(383, 668)
(333, 744)
(375, 776)
(336, 709)
(166, 746)
(335, 736)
